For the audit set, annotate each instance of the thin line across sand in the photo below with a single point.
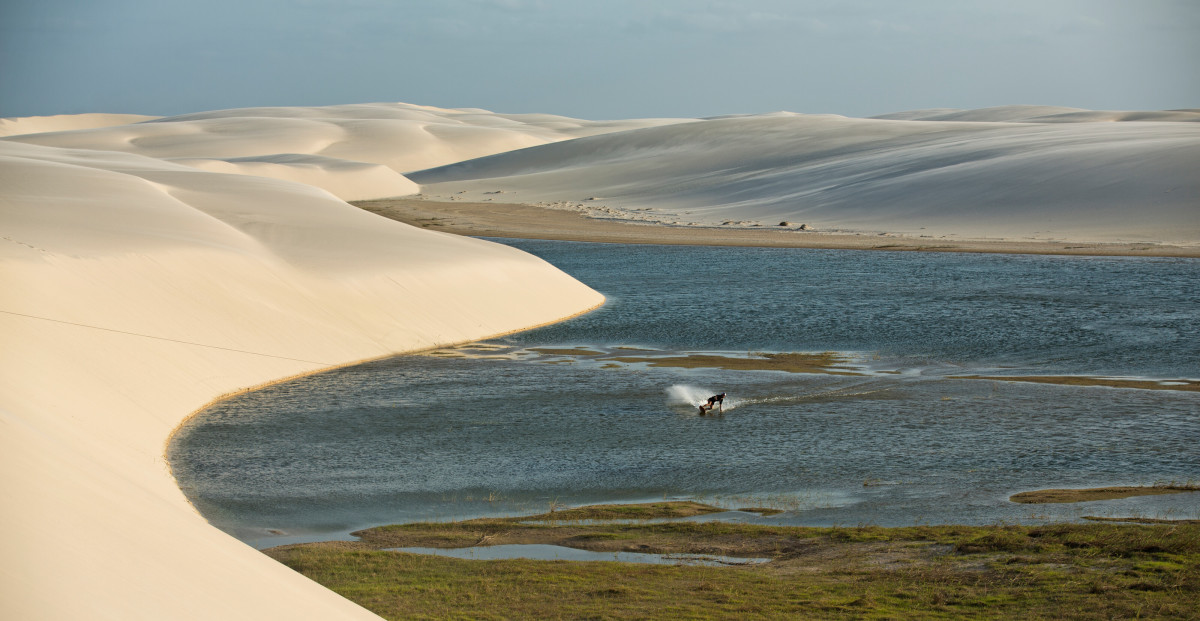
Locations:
(520, 221)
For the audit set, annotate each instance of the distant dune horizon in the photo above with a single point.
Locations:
(1018, 173)
(1021, 172)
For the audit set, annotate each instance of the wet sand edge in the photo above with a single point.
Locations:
(523, 221)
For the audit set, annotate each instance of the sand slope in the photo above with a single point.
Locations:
(354, 151)
(402, 137)
(346, 179)
(66, 122)
(135, 291)
(1043, 114)
(1077, 179)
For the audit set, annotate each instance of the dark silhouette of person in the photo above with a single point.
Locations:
(713, 401)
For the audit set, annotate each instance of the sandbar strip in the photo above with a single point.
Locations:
(1044, 496)
(1186, 385)
(520, 221)
(828, 363)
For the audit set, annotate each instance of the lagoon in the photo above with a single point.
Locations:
(580, 412)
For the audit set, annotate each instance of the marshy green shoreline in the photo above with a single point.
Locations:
(1055, 571)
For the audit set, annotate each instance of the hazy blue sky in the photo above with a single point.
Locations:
(597, 59)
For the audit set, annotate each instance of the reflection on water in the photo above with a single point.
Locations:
(548, 417)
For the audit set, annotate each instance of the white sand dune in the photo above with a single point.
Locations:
(1042, 114)
(990, 177)
(353, 151)
(346, 179)
(402, 137)
(135, 291)
(66, 122)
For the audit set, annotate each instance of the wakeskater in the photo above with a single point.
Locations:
(713, 401)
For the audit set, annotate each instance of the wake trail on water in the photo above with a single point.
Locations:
(694, 396)
(686, 395)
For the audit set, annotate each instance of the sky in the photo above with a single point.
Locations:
(598, 59)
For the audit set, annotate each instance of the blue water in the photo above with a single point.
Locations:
(501, 428)
(1056, 314)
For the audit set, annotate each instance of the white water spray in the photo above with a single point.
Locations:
(693, 396)
(683, 394)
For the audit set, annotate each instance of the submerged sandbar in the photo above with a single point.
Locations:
(829, 363)
(1098, 493)
(1186, 385)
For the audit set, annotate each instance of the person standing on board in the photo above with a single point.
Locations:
(715, 400)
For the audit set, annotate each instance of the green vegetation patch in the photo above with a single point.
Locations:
(1138, 520)
(644, 511)
(1060, 571)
